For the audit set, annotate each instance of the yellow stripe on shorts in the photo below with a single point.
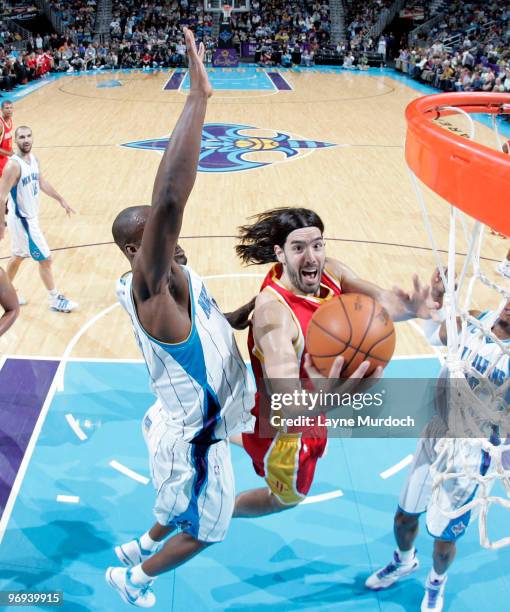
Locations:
(281, 468)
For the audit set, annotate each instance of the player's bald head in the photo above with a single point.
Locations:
(127, 229)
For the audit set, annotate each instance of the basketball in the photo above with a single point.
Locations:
(354, 326)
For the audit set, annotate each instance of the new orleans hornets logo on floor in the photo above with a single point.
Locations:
(226, 147)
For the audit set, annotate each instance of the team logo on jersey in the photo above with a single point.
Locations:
(230, 148)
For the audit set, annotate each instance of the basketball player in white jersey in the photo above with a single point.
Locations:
(204, 391)
(20, 185)
(416, 494)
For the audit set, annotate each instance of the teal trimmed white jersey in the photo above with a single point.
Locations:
(483, 354)
(202, 383)
(24, 196)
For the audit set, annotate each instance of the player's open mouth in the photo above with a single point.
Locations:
(309, 275)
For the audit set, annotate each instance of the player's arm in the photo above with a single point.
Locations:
(3, 151)
(435, 330)
(9, 178)
(9, 303)
(49, 190)
(174, 181)
(274, 331)
(240, 318)
(399, 304)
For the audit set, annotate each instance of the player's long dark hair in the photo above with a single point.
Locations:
(258, 239)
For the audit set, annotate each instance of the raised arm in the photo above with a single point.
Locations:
(9, 178)
(399, 304)
(9, 303)
(174, 180)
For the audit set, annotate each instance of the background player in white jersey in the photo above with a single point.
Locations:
(204, 391)
(20, 185)
(416, 494)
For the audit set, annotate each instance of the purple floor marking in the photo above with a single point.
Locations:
(279, 82)
(24, 384)
(174, 82)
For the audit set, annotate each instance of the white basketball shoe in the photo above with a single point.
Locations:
(389, 574)
(433, 599)
(132, 553)
(141, 596)
(61, 304)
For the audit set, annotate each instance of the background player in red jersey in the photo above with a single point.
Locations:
(5, 133)
(302, 279)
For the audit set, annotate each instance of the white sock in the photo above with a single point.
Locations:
(405, 556)
(138, 576)
(147, 542)
(435, 577)
(53, 293)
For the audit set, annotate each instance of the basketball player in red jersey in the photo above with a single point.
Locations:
(5, 133)
(301, 280)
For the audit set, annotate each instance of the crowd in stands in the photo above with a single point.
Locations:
(148, 34)
(468, 50)
(361, 17)
(284, 31)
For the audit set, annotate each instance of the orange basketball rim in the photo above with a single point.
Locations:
(470, 176)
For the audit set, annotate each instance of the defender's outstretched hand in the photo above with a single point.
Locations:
(197, 72)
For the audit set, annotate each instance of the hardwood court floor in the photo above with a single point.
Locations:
(360, 187)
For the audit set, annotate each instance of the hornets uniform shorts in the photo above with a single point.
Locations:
(194, 482)
(27, 239)
(287, 462)
(415, 497)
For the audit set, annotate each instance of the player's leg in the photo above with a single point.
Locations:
(141, 548)
(195, 485)
(13, 266)
(451, 495)
(288, 465)
(258, 502)
(414, 499)
(40, 252)
(19, 245)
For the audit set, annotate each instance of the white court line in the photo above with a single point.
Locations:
(2, 361)
(397, 467)
(68, 499)
(59, 376)
(75, 426)
(127, 472)
(323, 497)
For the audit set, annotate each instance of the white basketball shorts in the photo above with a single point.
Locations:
(194, 482)
(27, 239)
(415, 497)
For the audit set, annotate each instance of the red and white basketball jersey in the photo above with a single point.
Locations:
(6, 141)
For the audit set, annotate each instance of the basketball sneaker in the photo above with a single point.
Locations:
(389, 574)
(132, 553)
(433, 599)
(141, 596)
(61, 304)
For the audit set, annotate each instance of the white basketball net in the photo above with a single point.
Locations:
(476, 406)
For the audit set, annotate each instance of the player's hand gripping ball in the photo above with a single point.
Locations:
(354, 326)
